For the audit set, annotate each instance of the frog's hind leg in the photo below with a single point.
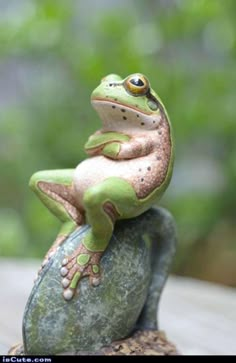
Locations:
(54, 188)
(104, 203)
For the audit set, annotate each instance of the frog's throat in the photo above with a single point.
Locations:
(103, 101)
(119, 117)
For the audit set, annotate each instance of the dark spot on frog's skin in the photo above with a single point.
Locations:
(122, 110)
(142, 180)
(137, 115)
(149, 168)
(154, 121)
(113, 106)
(159, 132)
(137, 106)
(139, 169)
(142, 123)
(158, 158)
(115, 99)
(124, 118)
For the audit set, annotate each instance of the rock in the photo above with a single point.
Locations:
(133, 275)
(142, 342)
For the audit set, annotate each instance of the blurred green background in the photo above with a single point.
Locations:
(54, 53)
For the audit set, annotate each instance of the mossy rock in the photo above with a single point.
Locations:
(127, 297)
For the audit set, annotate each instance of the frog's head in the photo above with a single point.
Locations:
(128, 103)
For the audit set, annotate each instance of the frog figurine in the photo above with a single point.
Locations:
(129, 167)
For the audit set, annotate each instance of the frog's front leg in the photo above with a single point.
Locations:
(134, 148)
(54, 189)
(104, 203)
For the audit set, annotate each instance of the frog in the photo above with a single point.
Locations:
(128, 168)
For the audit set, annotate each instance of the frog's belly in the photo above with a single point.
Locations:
(144, 174)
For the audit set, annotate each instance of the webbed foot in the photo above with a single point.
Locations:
(80, 264)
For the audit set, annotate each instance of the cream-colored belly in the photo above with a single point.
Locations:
(142, 173)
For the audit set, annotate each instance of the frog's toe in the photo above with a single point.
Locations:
(95, 281)
(68, 294)
(47, 258)
(64, 271)
(65, 282)
(73, 271)
(65, 261)
(44, 263)
(94, 274)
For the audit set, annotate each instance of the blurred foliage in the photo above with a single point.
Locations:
(54, 53)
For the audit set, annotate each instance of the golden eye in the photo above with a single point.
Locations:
(137, 85)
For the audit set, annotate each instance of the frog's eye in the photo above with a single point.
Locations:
(137, 85)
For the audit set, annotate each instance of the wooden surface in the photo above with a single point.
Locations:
(199, 317)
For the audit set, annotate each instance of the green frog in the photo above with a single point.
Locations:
(128, 169)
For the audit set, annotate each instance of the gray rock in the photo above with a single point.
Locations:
(134, 269)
